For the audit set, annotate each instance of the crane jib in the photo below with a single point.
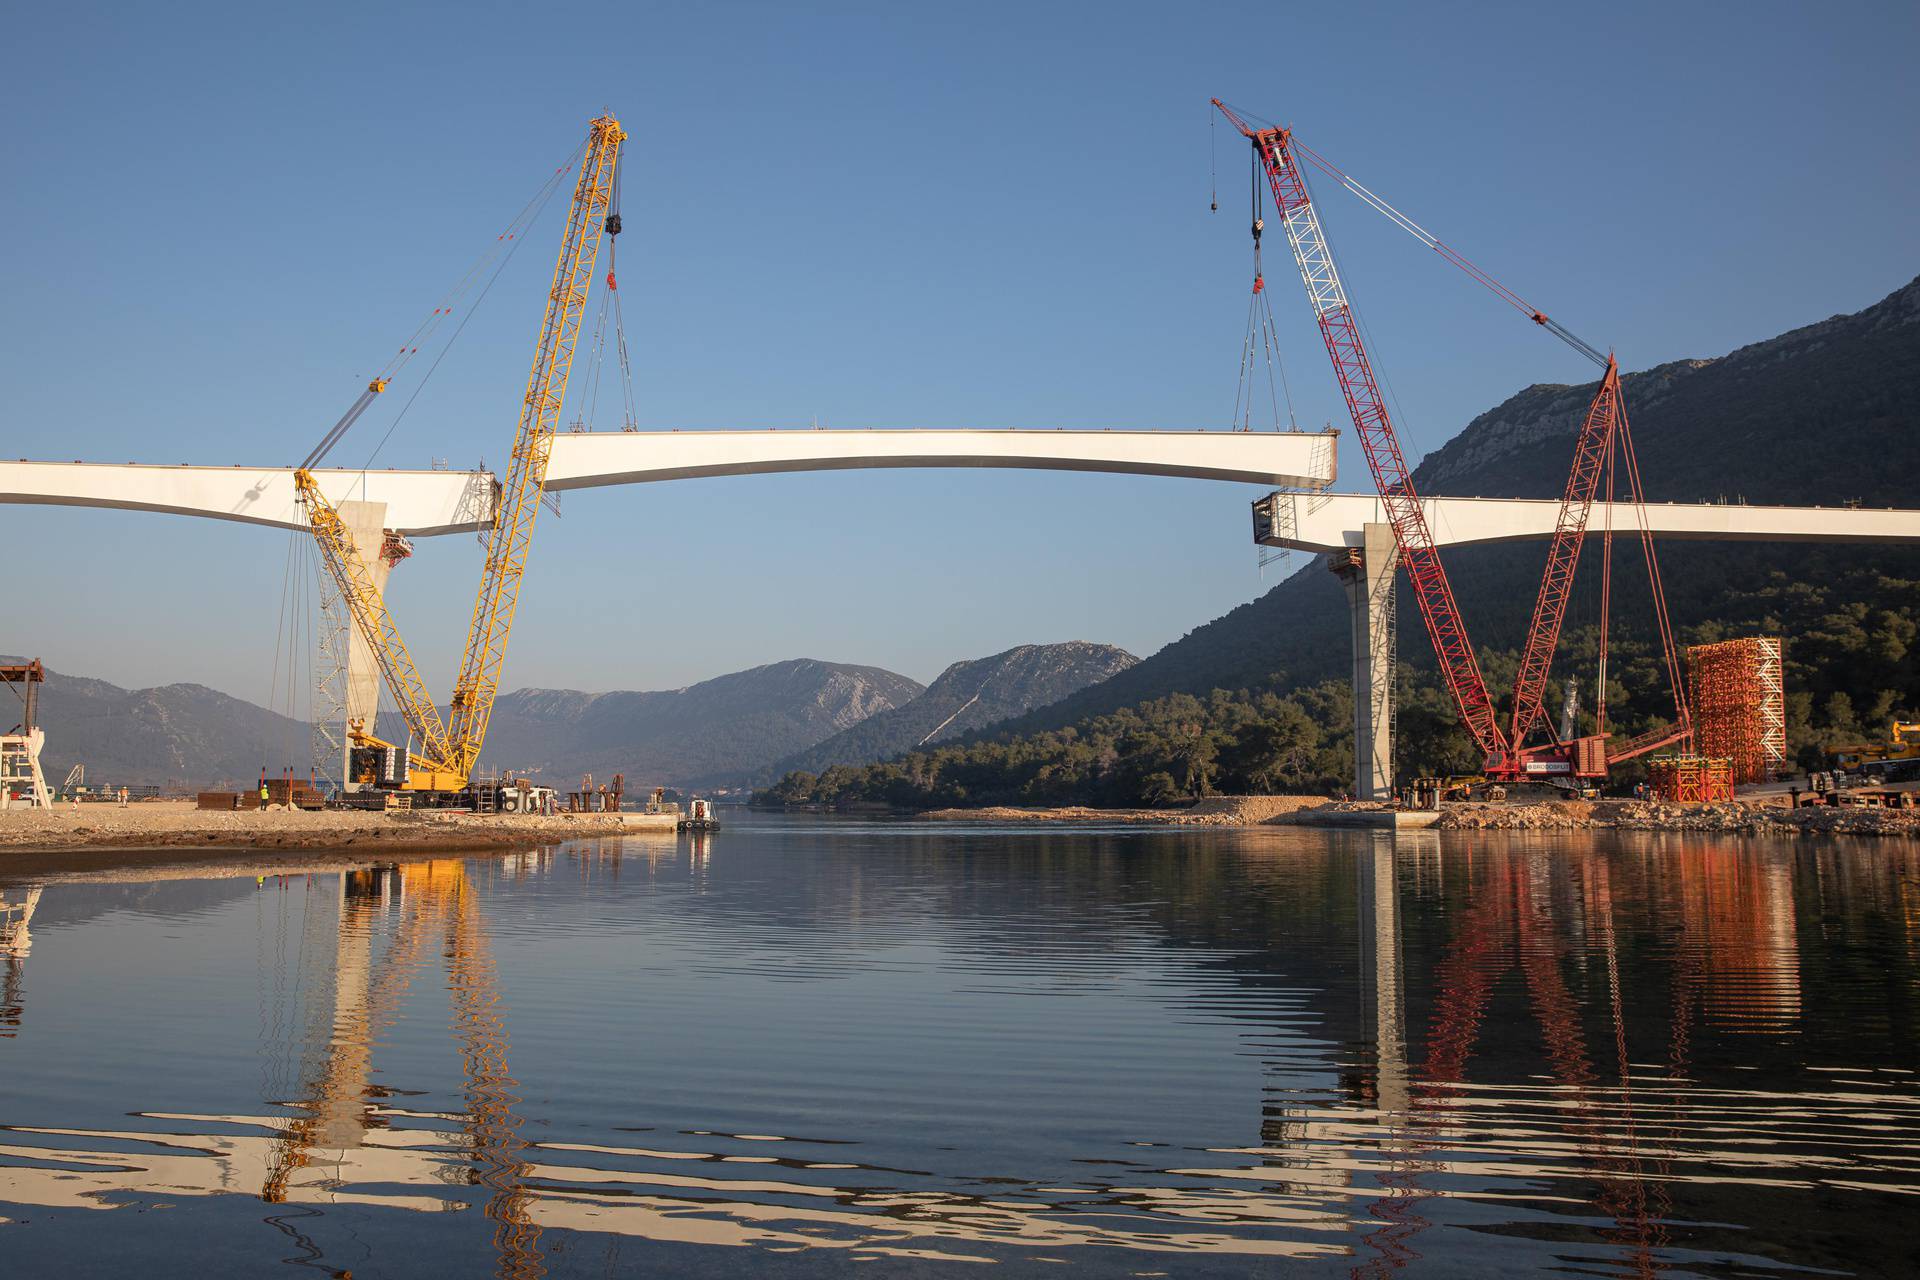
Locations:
(1419, 554)
(450, 750)
(1603, 432)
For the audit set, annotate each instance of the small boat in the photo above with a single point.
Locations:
(699, 817)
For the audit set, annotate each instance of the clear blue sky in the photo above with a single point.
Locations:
(221, 218)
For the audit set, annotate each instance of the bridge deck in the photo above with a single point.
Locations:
(1328, 521)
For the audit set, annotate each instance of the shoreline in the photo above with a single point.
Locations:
(1736, 818)
(178, 825)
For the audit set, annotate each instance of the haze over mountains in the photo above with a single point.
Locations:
(721, 732)
(718, 730)
(968, 696)
(175, 732)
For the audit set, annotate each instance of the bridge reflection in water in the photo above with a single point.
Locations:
(1520, 1024)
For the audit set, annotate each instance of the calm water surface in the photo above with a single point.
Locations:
(801, 1045)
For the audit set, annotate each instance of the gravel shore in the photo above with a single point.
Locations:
(1739, 818)
(173, 824)
(1215, 811)
(1736, 818)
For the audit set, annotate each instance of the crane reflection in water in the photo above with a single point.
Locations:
(1523, 1054)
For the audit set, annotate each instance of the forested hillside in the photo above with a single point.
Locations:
(1828, 414)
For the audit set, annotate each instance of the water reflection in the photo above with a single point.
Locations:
(1645, 1057)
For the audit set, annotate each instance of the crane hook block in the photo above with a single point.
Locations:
(1259, 225)
(613, 224)
(611, 284)
(1259, 283)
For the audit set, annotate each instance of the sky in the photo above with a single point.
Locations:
(222, 219)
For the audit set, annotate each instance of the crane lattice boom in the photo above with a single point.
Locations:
(1591, 448)
(369, 609)
(1603, 431)
(493, 606)
(1378, 440)
(447, 752)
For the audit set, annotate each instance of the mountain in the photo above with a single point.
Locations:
(173, 734)
(968, 696)
(1258, 699)
(712, 733)
(1824, 414)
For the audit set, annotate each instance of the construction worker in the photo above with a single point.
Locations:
(123, 797)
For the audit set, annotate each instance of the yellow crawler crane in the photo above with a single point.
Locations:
(441, 756)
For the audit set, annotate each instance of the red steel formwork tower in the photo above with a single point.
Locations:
(1739, 705)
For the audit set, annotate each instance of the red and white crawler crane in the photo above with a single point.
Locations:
(1603, 438)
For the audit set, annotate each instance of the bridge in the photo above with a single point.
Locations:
(426, 503)
(1301, 515)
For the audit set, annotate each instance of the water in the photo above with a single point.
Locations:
(805, 1044)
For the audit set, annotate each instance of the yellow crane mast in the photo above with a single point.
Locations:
(446, 752)
(479, 680)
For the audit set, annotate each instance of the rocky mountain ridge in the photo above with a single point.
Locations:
(968, 696)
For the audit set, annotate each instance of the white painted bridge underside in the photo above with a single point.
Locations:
(422, 503)
(1324, 522)
(1256, 457)
(419, 503)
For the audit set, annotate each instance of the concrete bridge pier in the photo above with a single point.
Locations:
(366, 526)
(1368, 572)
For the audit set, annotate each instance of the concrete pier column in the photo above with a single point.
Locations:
(1368, 574)
(366, 525)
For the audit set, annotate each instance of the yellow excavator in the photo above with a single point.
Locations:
(438, 759)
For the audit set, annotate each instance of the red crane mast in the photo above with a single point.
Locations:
(1603, 431)
(1419, 554)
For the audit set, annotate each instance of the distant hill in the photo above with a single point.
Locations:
(174, 734)
(1826, 414)
(723, 730)
(968, 696)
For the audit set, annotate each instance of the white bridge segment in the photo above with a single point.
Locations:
(1325, 522)
(423, 503)
(1300, 460)
(419, 503)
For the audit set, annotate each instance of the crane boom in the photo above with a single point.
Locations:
(1603, 431)
(1419, 554)
(1590, 450)
(369, 609)
(519, 505)
(448, 750)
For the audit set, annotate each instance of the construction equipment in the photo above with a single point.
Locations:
(1896, 758)
(439, 757)
(20, 775)
(1602, 440)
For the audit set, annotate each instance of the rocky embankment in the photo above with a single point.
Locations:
(176, 824)
(1559, 815)
(1215, 811)
(1636, 815)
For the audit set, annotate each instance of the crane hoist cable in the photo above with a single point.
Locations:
(501, 248)
(1261, 342)
(1452, 255)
